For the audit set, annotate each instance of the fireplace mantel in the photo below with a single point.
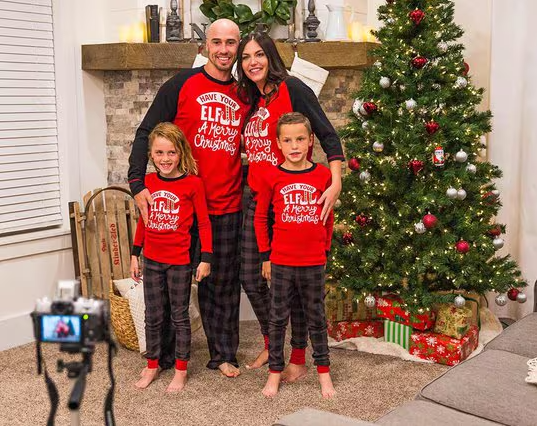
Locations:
(172, 56)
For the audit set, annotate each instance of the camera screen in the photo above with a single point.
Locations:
(60, 328)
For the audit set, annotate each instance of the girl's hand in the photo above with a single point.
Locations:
(204, 269)
(329, 198)
(265, 271)
(135, 269)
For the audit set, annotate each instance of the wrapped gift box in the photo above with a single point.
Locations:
(452, 321)
(444, 349)
(348, 329)
(473, 301)
(390, 306)
(341, 305)
(398, 333)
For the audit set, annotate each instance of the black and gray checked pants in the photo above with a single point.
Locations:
(308, 282)
(256, 287)
(167, 294)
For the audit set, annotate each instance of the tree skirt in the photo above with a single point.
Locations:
(490, 328)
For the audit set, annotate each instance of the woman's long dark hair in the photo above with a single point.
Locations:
(247, 89)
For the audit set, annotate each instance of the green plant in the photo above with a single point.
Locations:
(272, 11)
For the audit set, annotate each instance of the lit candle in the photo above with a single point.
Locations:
(125, 34)
(138, 32)
(367, 34)
(356, 31)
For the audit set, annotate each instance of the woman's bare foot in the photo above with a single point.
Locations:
(273, 384)
(229, 370)
(294, 372)
(178, 382)
(260, 361)
(327, 388)
(147, 376)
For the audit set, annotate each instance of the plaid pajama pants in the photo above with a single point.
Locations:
(256, 287)
(219, 294)
(167, 293)
(308, 282)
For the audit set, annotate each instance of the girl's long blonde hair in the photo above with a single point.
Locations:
(174, 134)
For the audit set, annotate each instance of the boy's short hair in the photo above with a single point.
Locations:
(293, 118)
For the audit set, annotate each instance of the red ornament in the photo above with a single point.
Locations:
(495, 231)
(369, 107)
(462, 246)
(348, 238)
(416, 16)
(362, 220)
(466, 69)
(513, 293)
(432, 127)
(429, 220)
(416, 166)
(354, 164)
(419, 62)
(490, 198)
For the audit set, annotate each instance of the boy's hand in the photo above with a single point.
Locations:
(329, 198)
(204, 269)
(143, 200)
(135, 269)
(265, 271)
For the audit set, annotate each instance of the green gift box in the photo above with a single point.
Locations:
(395, 332)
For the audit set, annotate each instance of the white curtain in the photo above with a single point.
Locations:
(513, 141)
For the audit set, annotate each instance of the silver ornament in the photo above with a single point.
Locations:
(461, 194)
(451, 193)
(461, 156)
(420, 86)
(378, 64)
(442, 46)
(521, 298)
(337, 204)
(436, 86)
(471, 168)
(385, 82)
(459, 301)
(420, 228)
(357, 104)
(423, 111)
(411, 104)
(497, 243)
(365, 125)
(402, 87)
(378, 146)
(370, 301)
(496, 192)
(365, 176)
(501, 300)
(460, 83)
(390, 20)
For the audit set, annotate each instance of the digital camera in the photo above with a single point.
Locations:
(75, 322)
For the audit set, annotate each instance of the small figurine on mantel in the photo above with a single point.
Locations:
(311, 23)
(174, 25)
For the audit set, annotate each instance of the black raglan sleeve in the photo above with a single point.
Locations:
(163, 108)
(303, 100)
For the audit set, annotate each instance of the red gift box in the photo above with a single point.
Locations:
(390, 306)
(444, 349)
(347, 329)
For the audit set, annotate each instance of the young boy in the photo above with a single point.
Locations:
(299, 245)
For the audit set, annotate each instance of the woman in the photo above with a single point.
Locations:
(264, 83)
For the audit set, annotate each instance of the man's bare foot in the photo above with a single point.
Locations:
(178, 382)
(294, 372)
(147, 376)
(260, 361)
(327, 388)
(229, 370)
(273, 384)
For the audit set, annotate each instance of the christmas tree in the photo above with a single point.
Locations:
(418, 206)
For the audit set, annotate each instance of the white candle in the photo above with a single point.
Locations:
(356, 31)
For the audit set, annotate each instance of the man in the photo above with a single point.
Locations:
(203, 103)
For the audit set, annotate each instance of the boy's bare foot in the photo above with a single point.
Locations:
(294, 372)
(147, 376)
(272, 385)
(327, 388)
(229, 370)
(178, 382)
(260, 361)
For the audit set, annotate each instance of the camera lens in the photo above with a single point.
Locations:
(61, 307)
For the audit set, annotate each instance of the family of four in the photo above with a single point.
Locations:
(192, 211)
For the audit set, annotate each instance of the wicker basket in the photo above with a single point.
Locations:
(122, 323)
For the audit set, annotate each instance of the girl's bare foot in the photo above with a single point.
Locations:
(229, 370)
(294, 372)
(178, 382)
(272, 385)
(260, 361)
(147, 376)
(327, 388)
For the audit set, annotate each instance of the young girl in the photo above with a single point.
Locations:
(177, 195)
